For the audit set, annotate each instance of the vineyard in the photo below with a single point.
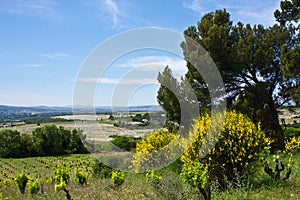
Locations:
(42, 169)
(136, 186)
(98, 185)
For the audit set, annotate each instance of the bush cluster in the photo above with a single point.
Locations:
(100, 170)
(81, 177)
(118, 177)
(34, 187)
(240, 143)
(124, 142)
(291, 132)
(147, 156)
(44, 141)
(22, 181)
(293, 145)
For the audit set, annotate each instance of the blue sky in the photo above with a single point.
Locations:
(43, 43)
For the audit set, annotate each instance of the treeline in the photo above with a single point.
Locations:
(40, 120)
(47, 140)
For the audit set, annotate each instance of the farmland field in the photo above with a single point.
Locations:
(291, 116)
(91, 125)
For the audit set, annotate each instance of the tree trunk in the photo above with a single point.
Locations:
(206, 193)
(67, 194)
(270, 124)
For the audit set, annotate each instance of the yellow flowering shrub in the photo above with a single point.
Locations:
(153, 151)
(293, 144)
(228, 152)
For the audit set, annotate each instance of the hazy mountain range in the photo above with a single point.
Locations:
(17, 113)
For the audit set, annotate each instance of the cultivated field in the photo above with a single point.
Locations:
(91, 126)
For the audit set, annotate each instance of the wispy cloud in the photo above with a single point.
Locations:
(142, 70)
(40, 8)
(111, 7)
(194, 5)
(114, 81)
(56, 55)
(34, 66)
(156, 63)
(254, 12)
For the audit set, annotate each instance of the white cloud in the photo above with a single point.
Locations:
(41, 8)
(142, 70)
(156, 63)
(56, 55)
(114, 81)
(34, 66)
(253, 12)
(111, 7)
(253, 15)
(194, 5)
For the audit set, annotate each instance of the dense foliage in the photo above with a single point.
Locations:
(240, 144)
(196, 175)
(259, 66)
(34, 186)
(291, 132)
(125, 142)
(147, 155)
(10, 143)
(118, 177)
(46, 140)
(293, 145)
(22, 181)
(81, 177)
(40, 120)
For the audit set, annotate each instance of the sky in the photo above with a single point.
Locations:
(44, 45)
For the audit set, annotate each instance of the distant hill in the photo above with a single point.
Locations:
(18, 113)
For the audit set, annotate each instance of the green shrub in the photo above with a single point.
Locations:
(124, 142)
(81, 177)
(118, 177)
(291, 132)
(62, 175)
(22, 181)
(196, 175)
(34, 187)
(240, 144)
(61, 186)
(100, 170)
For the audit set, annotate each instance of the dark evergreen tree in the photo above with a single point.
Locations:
(259, 66)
